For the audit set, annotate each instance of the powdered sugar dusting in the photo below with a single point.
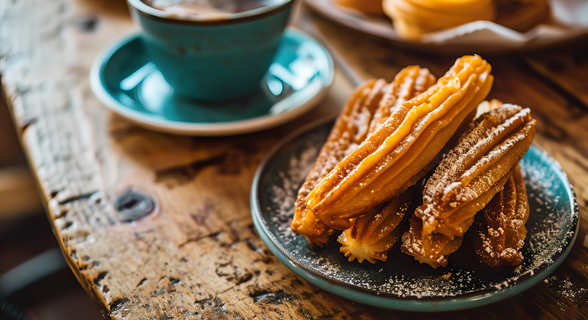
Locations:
(285, 191)
(549, 230)
(544, 189)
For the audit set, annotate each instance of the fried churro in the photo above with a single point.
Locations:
(367, 107)
(466, 180)
(395, 155)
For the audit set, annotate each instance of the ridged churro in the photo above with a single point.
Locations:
(372, 235)
(466, 180)
(395, 155)
(366, 108)
(500, 230)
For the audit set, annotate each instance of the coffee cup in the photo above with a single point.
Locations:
(212, 55)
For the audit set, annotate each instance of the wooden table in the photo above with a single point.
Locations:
(197, 254)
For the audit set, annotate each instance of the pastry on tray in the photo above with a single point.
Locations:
(398, 154)
(364, 110)
(413, 18)
(465, 182)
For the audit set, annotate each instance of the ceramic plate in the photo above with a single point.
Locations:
(493, 40)
(401, 282)
(126, 81)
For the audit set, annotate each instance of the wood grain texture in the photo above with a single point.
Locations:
(566, 67)
(197, 255)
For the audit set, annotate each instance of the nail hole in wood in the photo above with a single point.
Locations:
(134, 205)
(142, 282)
(118, 304)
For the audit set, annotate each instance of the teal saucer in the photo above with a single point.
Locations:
(127, 82)
(401, 282)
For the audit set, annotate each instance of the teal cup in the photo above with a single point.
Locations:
(212, 59)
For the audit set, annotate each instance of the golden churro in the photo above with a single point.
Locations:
(466, 180)
(413, 18)
(500, 230)
(395, 155)
(372, 235)
(365, 108)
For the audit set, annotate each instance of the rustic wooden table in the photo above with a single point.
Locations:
(197, 254)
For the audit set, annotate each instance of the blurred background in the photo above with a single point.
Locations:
(35, 282)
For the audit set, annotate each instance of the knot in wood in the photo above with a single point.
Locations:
(133, 205)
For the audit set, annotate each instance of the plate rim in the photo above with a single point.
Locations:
(202, 129)
(448, 49)
(391, 301)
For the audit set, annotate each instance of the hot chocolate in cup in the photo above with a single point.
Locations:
(212, 49)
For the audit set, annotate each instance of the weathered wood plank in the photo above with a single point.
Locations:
(566, 67)
(197, 256)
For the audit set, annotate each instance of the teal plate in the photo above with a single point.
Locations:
(401, 282)
(126, 81)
